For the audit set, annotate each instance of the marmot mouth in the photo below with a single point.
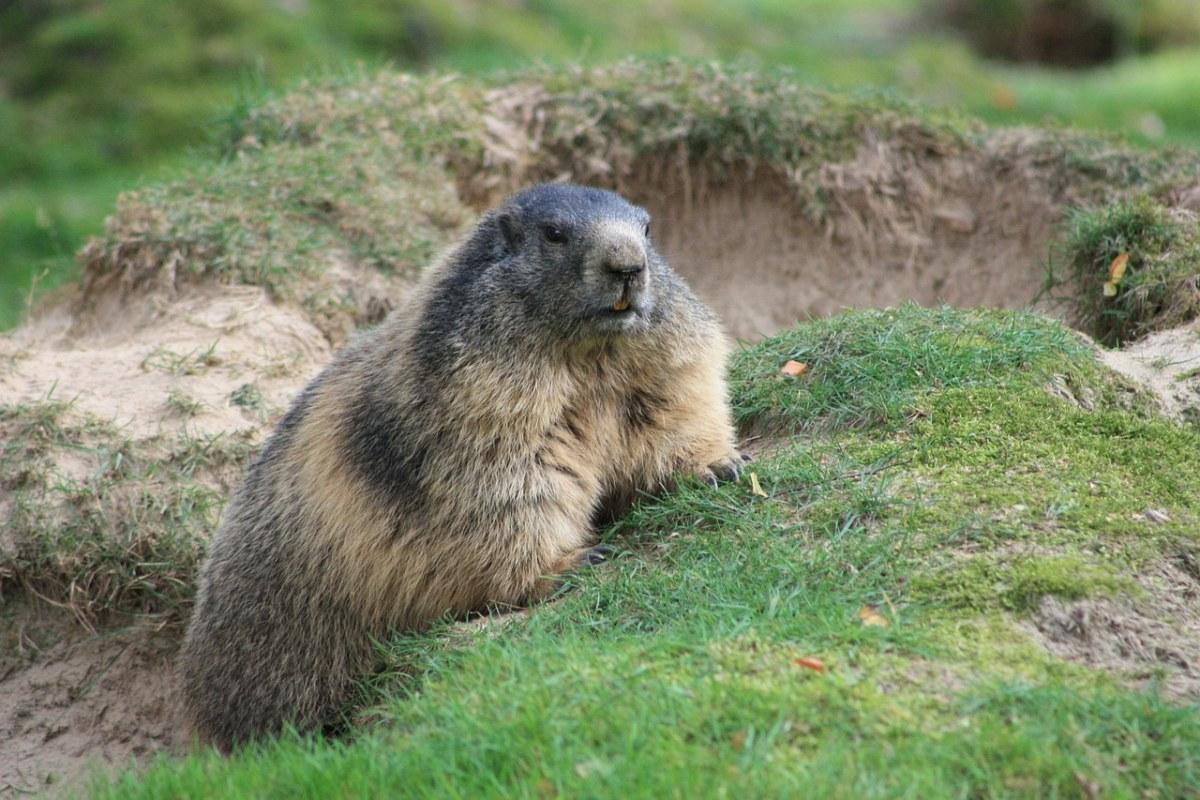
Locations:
(625, 301)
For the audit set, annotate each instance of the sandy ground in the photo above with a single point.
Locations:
(73, 701)
(752, 253)
(1168, 362)
(204, 347)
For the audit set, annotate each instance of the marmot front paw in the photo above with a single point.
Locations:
(597, 555)
(727, 469)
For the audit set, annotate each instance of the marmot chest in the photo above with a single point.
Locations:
(602, 437)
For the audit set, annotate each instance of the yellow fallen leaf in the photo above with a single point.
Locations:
(1117, 269)
(815, 664)
(794, 369)
(755, 487)
(1003, 97)
(871, 617)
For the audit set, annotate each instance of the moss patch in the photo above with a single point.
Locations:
(1018, 585)
(1026, 466)
(876, 367)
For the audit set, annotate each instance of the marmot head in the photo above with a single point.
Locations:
(581, 259)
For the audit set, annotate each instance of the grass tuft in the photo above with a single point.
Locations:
(99, 524)
(1160, 287)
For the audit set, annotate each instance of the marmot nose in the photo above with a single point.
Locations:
(622, 254)
(625, 268)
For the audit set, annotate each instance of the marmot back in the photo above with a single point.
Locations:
(452, 460)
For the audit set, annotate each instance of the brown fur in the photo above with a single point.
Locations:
(451, 461)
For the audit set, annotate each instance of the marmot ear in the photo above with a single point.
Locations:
(511, 231)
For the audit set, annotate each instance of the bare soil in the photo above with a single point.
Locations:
(1167, 363)
(902, 219)
(74, 701)
(747, 247)
(202, 347)
(1152, 639)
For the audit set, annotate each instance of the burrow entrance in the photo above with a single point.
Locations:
(750, 250)
(888, 234)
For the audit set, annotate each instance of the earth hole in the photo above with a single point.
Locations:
(750, 249)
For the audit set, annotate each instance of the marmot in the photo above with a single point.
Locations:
(455, 458)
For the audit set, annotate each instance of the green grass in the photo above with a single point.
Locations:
(1150, 99)
(43, 222)
(46, 219)
(660, 721)
(938, 483)
(875, 366)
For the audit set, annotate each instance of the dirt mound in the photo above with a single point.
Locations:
(72, 700)
(1168, 363)
(906, 212)
(177, 368)
(218, 362)
(815, 201)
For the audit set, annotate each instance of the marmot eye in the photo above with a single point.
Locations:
(554, 234)
(646, 229)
